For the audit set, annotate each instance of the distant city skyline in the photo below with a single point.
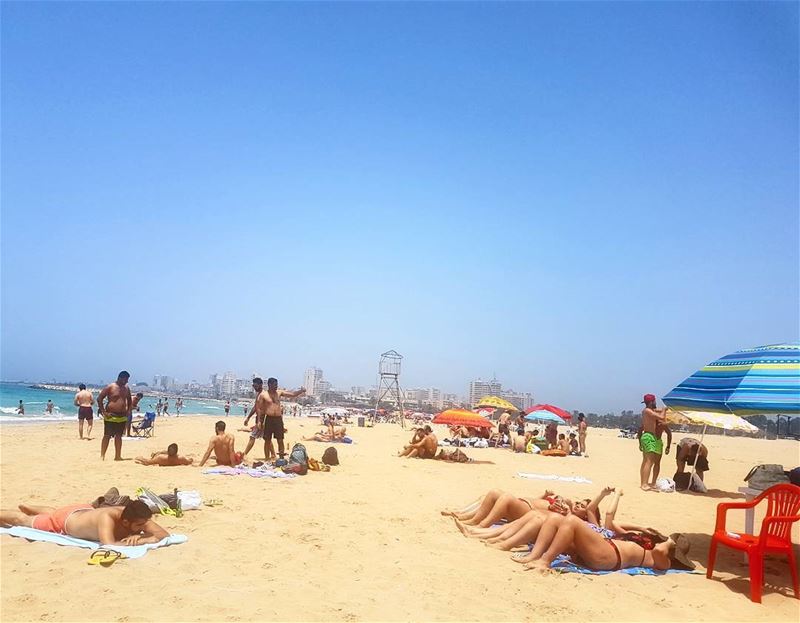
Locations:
(589, 200)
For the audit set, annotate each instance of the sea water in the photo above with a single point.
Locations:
(35, 401)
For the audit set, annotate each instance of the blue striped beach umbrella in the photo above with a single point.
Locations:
(543, 416)
(748, 382)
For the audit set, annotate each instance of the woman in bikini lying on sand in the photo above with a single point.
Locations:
(614, 546)
(593, 550)
(525, 516)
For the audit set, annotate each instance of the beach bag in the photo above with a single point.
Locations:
(457, 456)
(298, 460)
(190, 500)
(681, 481)
(665, 485)
(764, 476)
(330, 456)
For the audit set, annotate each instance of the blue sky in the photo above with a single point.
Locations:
(589, 200)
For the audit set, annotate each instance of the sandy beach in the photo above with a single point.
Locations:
(365, 541)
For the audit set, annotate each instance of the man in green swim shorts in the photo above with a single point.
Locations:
(650, 442)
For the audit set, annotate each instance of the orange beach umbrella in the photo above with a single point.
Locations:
(461, 417)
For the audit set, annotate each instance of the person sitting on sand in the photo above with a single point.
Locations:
(419, 435)
(425, 448)
(574, 448)
(518, 442)
(563, 444)
(222, 445)
(165, 459)
(131, 524)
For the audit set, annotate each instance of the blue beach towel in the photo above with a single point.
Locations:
(565, 565)
(131, 551)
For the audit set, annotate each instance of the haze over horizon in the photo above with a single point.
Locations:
(590, 201)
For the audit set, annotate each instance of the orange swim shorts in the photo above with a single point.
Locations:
(57, 520)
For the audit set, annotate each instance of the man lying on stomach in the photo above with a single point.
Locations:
(110, 525)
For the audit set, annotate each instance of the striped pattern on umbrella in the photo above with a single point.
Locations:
(757, 380)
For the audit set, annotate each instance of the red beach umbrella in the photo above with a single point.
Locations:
(564, 415)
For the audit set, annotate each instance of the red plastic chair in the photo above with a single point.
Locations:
(783, 504)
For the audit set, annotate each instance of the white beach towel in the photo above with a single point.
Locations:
(131, 551)
(578, 479)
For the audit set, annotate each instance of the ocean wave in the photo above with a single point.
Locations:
(10, 410)
(35, 418)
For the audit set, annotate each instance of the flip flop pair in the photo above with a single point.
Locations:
(213, 502)
(105, 557)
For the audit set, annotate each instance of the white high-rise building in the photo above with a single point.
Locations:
(478, 389)
(311, 381)
(521, 400)
(228, 384)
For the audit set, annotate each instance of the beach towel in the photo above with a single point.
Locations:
(248, 471)
(565, 565)
(578, 479)
(131, 551)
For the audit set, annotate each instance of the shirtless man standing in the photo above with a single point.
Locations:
(650, 442)
(115, 413)
(257, 432)
(110, 525)
(268, 407)
(222, 445)
(84, 401)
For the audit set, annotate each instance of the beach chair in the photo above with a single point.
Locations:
(783, 506)
(146, 427)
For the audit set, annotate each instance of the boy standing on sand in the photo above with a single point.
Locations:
(84, 401)
(115, 413)
(650, 442)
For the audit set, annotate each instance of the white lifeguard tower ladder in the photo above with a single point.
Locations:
(389, 382)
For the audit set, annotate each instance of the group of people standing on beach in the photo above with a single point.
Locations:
(116, 404)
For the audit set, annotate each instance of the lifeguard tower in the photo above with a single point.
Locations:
(389, 382)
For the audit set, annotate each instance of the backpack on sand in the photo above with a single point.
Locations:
(298, 461)
(330, 456)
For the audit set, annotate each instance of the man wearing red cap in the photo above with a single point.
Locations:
(650, 442)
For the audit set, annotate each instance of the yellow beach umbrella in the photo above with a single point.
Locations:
(725, 421)
(495, 403)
